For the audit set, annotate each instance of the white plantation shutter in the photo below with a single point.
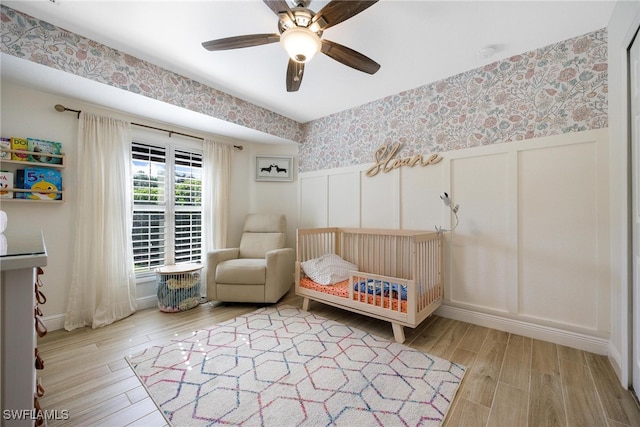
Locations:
(149, 171)
(188, 206)
(188, 237)
(167, 220)
(148, 240)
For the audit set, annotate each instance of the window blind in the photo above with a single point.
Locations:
(167, 192)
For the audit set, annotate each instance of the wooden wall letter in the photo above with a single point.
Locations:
(385, 162)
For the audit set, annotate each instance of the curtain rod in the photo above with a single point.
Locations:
(61, 108)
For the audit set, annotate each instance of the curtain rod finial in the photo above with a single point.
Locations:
(61, 108)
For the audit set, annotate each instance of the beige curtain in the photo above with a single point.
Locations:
(216, 184)
(103, 279)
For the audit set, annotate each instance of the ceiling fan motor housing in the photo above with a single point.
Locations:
(299, 17)
(299, 36)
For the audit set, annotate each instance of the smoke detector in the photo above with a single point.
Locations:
(488, 51)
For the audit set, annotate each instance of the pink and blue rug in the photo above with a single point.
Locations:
(281, 366)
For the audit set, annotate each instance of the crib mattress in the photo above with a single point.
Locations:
(341, 289)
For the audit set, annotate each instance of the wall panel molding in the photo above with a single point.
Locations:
(531, 251)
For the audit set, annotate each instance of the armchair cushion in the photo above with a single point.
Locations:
(256, 245)
(247, 271)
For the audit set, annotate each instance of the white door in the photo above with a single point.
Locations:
(634, 68)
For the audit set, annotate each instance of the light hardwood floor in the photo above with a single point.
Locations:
(511, 380)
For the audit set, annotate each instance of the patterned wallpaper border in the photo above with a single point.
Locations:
(552, 90)
(38, 41)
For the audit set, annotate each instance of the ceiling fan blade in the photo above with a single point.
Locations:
(237, 42)
(349, 57)
(295, 71)
(337, 11)
(279, 7)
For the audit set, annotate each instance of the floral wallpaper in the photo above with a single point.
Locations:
(551, 90)
(43, 43)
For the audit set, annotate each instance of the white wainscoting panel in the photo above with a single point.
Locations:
(558, 242)
(421, 187)
(380, 200)
(313, 198)
(479, 253)
(344, 199)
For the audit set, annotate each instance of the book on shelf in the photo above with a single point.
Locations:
(34, 178)
(41, 148)
(6, 182)
(5, 143)
(19, 144)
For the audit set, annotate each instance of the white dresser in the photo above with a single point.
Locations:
(25, 251)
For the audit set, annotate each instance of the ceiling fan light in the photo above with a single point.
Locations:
(300, 43)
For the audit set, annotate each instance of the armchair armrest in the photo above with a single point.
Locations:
(213, 259)
(218, 255)
(280, 273)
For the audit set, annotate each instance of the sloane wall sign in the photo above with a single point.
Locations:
(385, 161)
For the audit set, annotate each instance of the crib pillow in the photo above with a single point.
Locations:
(328, 269)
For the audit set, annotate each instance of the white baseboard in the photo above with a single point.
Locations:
(147, 302)
(616, 362)
(55, 322)
(557, 336)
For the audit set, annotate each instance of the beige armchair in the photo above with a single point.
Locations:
(260, 270)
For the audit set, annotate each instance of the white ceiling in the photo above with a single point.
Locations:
(416, 43)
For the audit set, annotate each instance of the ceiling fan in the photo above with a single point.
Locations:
(300, 33)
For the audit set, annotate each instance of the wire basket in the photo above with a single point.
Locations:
(178, 287)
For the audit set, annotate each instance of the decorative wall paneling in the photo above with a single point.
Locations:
(531, 252)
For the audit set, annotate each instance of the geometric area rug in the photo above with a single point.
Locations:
(282, 366)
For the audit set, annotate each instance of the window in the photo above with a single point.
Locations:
(167, 206)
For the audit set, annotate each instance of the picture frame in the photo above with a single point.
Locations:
(274, 168)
